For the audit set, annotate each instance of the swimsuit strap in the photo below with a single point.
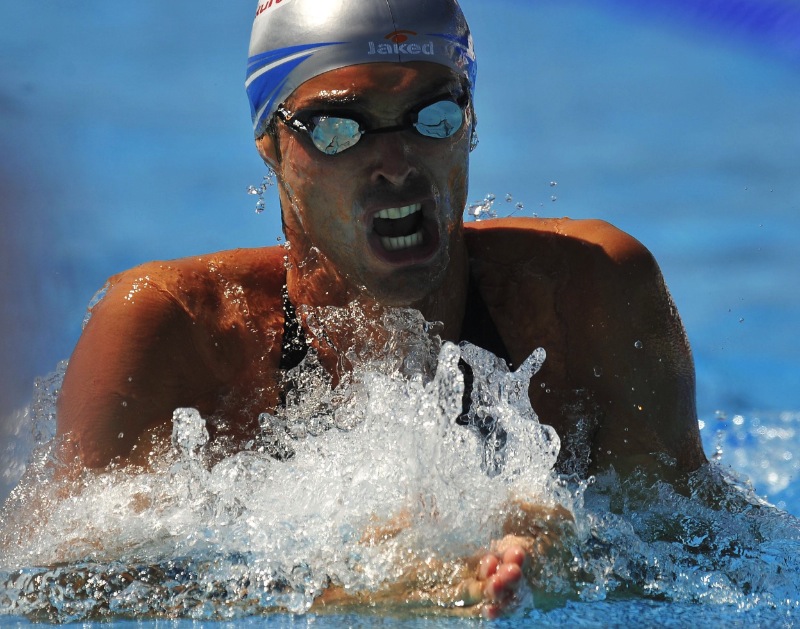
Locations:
(293, 345)
(478, 326)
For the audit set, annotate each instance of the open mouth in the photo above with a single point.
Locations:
(399, 227)
(405, 234)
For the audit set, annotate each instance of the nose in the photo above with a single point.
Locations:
(391, 159)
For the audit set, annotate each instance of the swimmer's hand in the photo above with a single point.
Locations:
(487, 589)
(534, 538)
(488, 584)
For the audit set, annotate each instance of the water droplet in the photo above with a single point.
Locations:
(553, 184)
(598, 371)
(120, 435)
(266, 181)
(483, 209)
(509, 198)
(519, 206)
(554, 198)
(638, 345)
(124, 403)
(741, 319)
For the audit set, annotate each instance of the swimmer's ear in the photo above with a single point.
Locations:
(268, 149)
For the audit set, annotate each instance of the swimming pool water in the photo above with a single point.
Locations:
(129, 130)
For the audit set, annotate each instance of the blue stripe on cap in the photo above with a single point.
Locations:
(263, 89)
(466, 56)
(267, 73)
(256, 61)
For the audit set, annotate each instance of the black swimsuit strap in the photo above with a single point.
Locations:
(478, 327)
(293, 345)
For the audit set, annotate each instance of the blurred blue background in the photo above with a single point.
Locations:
(125, 137)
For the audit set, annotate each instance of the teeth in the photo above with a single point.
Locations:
(402, 242)
(399, 212)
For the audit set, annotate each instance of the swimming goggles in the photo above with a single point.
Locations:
(333, 134)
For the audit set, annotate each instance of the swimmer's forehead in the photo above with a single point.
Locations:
(363, 84)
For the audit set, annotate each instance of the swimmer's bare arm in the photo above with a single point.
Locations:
(140, 357)
(646, 381)
(595, 299)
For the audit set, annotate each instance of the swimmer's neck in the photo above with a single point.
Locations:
(313, 280)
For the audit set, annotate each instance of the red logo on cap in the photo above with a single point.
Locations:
(398, 37)
(263, 6)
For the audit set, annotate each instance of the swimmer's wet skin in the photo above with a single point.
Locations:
(372, 189)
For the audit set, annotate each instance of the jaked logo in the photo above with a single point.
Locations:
(399, 45)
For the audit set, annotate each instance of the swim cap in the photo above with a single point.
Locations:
(295, 40)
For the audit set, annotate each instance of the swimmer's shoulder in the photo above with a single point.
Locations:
(540, 277)
(205, 284)
(220, 304)
(551, 242)
(169, 334)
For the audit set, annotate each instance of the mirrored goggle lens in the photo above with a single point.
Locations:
(439, 120)
(332, 135)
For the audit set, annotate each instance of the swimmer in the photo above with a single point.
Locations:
(365, 111)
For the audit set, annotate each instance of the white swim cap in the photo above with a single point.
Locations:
(295, 40)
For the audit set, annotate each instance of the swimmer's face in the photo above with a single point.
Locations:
(386, 213)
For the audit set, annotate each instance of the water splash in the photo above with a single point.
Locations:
(484, 209)
(267, 182)
(98, 296)
(203, 538)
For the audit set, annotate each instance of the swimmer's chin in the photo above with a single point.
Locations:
(408, 286)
